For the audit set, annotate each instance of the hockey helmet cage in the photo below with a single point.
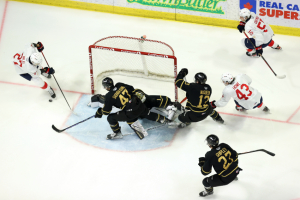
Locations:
(200, 78)
(212, 140)
(36, 59)
(107, 83)
(227, 78)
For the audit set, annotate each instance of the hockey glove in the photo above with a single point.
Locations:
(213, 105)
(241, 26)
(98, 113)
(141, 95)
(48, 70)
(184, 71)
(101, 98)
(40, 47)
(201, 161)
(259, 50)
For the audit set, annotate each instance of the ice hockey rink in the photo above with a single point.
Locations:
(37, 163)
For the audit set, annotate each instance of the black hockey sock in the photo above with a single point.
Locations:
(115, 128)
(214, 115)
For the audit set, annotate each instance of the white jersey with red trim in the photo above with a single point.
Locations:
(241, 91)
(257, 29)
(21, 62)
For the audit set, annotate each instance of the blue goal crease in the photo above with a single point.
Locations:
(94, 131)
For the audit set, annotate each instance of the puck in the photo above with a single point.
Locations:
(50, 100)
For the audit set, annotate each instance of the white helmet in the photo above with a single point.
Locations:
(245, 12)
(227, 78)
(36, 59)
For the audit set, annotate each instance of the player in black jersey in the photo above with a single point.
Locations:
(224, 160)
(124, 97)
(158, 101)
(198, 94)
(121, 96)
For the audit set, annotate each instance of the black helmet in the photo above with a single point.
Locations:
(200, 77)
(212, 140)
(107, 83)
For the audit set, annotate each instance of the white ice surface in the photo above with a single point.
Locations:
(38, 164)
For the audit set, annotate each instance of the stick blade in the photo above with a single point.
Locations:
(268, 152)
(281, 77)
(56, 129)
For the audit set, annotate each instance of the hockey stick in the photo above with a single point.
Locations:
(57, 82)
(280, 77)
(147, 129)
(59, 131)
(263, 150)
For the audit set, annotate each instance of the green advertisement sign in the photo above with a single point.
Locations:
(209, 6)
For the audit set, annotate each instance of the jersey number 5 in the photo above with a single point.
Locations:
(241, 95)
(226, 163)
(261, 25)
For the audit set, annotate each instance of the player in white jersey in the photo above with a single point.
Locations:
(28, 65)
(245, 96)
(260, 32)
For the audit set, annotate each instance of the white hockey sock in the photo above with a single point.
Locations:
(274, 45)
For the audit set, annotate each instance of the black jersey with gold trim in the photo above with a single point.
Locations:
(223, 159)
(197, 94)
(118, 96)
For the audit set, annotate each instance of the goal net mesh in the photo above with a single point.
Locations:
(133, 57)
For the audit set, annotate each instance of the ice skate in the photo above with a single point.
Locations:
(266, 109)
(219, 120)
(183, 125)
(137, 126)
(52, 93)
(277, 47)
(252, 53)
(206, 192)
(163, 120)
(240, 109)
(113, 136)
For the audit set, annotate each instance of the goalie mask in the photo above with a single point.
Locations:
(107, 83)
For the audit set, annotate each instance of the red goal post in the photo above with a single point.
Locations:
(133, 57)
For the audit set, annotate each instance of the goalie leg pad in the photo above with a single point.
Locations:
(139, 129)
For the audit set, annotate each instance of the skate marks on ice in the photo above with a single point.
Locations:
(94, 131)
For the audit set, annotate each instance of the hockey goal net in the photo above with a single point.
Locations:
(133, 57)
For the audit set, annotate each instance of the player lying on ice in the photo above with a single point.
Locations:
(28, 65)
(162, 104)
(245, 96)
(260, 32)
(133, 104)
